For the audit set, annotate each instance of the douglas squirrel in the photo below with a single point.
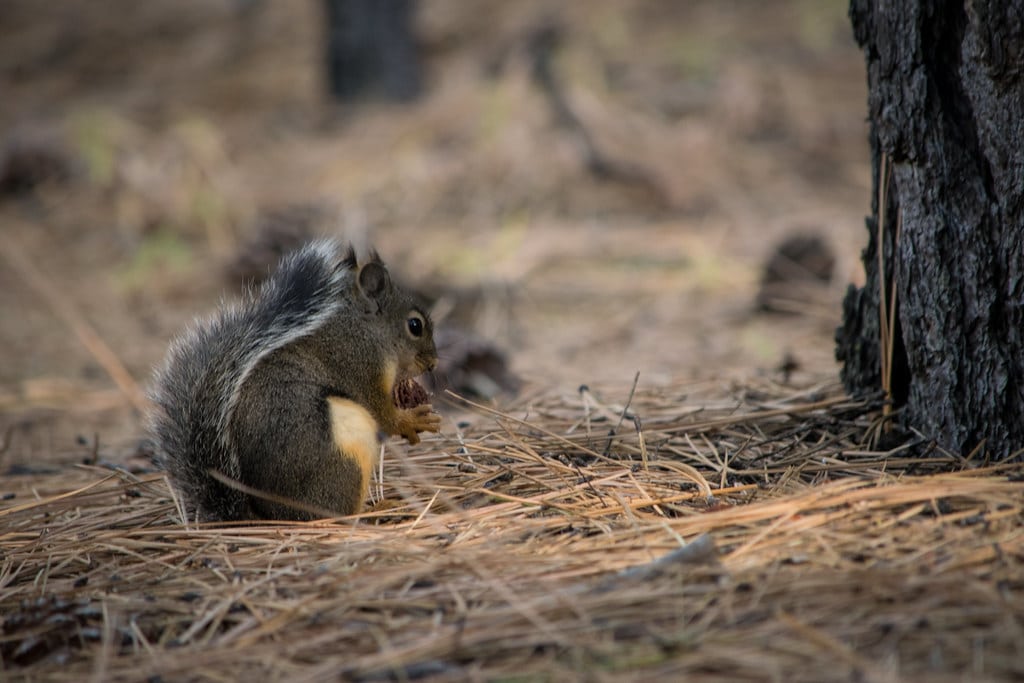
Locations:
(288, 393)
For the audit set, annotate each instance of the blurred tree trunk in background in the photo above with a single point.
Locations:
(371, 49)
(946, 107)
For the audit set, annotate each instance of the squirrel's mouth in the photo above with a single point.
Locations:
(415, 369)
(425, 363)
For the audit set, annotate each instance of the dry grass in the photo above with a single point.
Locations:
(534, 545)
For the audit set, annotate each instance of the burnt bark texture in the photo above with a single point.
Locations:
(371, 49)
(946, 112)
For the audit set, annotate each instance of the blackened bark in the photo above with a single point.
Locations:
(371, 49)
(946, 107)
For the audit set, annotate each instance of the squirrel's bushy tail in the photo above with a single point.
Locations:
(195, 391)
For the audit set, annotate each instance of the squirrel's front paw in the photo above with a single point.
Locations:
(422, 418)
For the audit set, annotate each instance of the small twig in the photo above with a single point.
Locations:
(643, 443)
(424, 511)
(886, 309)
(622, 416)
(94, 452)
(585, 396)
(883, 318)
(586, 480)
(893, 291)
(379, 491)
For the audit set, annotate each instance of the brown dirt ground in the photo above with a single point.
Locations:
(184, 119)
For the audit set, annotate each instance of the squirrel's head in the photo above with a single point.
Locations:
(407, 321)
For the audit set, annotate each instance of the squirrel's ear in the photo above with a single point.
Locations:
(349, 259)
(374, 279)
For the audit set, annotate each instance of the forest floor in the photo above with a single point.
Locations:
(523, 542)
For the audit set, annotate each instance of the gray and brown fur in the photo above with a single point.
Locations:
(287, 392)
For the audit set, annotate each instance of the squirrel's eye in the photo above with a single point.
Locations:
(415, 324)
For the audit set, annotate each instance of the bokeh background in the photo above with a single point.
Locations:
(156, 154)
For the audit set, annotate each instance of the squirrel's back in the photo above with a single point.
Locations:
(197, 388)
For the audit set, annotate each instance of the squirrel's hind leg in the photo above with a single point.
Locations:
(355, 435)
(318, 454)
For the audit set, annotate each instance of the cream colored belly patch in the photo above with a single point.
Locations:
(355, 434)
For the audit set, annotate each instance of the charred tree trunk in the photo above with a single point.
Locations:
(371, 49)
(946, 107)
